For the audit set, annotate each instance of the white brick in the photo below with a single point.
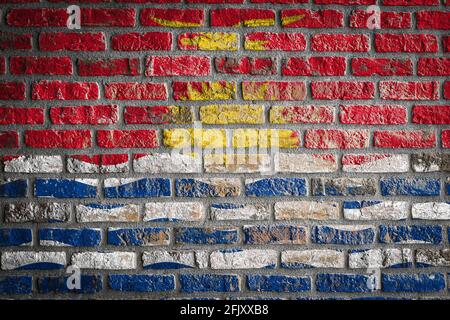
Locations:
(237, 163)
(157, 259)
(109, 261)
(34, 164)
(431, 211)
(107, 213)
(323, 258)
(235, 211)
(167, 163)
(311, 210)
(37, 212)
(243, 259)
(433, 257)
(380, 163)
(174, 211)
(18, 259)
(304, 163)
(379, 258)
(385, 210)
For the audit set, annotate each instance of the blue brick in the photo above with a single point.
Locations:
(421, 282)
(278, 283)
(276, 187)
(206, 235)
(13, 188)
(264, 234)
(447, 186)
(410, 187)
(209, 282)
(142, 188)
(15, 285)
(141, 283)
(430, 234)
(334, 235)
(88, 284)
(335, 282)
(64, 188)
(196, 188)
(15, 237)
(70, 237)
(138, 236)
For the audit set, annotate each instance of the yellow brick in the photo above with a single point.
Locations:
(204, 138)
(212, 41)
(265, 138)
(232, 113)
(214, 90)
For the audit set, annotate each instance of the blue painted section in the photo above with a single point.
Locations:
(447, 188)
(198, 189)
(273, 234)
(431, 234)
(15, 285)
(330, 235)
(342, 187)
(138, 236)
(359, 204)
(15, 237)
(227, 206)
(13, 189)
(104, 206)
(276, 187)
(63, 188)
(88, 284)
(195, 235)
(72, 237)
(42, 266)
(166, 265)
(141, 283)
(209, 283)
(278, 283)
(296, 265)
(143, 188)
(405, 282)
(335, 282)
(410, 187)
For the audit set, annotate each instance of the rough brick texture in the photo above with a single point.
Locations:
(225, 149)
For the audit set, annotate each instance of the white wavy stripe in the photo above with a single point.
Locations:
(76, 165)
(91, 182)
(116, 182)
(391, 163)
(53, 243)
(167, 163)
(35, 164)
(397, 209)
(14, 260)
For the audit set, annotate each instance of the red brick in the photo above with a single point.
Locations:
(59, 90)
(373, 114)
(410, 2)
(344, 90)
(404, 139)
(135, 91)
(95, 115)
(303, 18)
(149, 1)
(67, 139)
(233, 17)
(279, 1)
(431, 114)
(433, 67)
(345, 2)
(37, 17)
(106, 17)
(109, 67)
(15, 41)
(41, 65)
(156, 17)
(303, 114)
(274, 90)
(433, 20)
(245, 65)
(12, 90)
(215, 1)
(396, 90)
(388, 19)
(157, 115)
(447, 90)
(336, 139)
(314, 66)
(127, 139)
(381, 67)
(205, 90)
(72, 41)
(2, 65)
(276, 41)
(340, 42)
(177, 66)
(389, 42)
(445, 138)
(446, 43)
(19, 1)
(9, 139)
(135, 41)
(18, 115)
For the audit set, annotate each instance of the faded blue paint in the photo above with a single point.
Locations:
(338, 282)
(405, 282)
(15, 237)
(141, 283)
(276, 187)
(13, 189)
(194, 188)
(138, 236)
(278, 283)
(410, 187)
(209, 283)
(332, 235)
(196, 235)
(89, 284)
(273, 234)
(41, 266)
(167, 265)
(15, 285)
(63, 188)
(72, 237)
(227, 206)
(431, 234)
(104, 206)
(359, 204)
(143, 188)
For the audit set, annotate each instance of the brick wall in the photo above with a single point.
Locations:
(354, 203)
